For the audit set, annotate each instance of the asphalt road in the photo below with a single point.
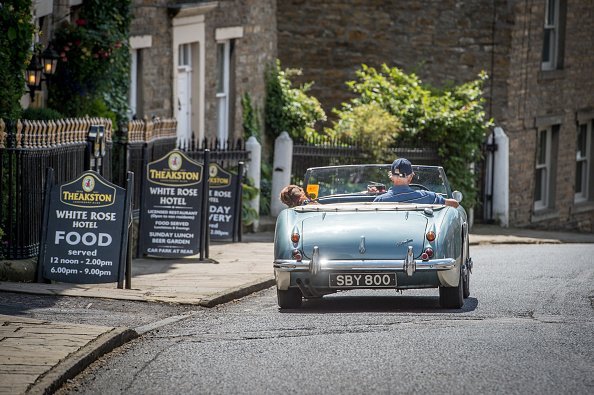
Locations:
(527, 328)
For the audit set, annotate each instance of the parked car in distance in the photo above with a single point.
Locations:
(344, 241)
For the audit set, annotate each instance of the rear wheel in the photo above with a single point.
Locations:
(466, 290)
(452, 297)
(289, 299)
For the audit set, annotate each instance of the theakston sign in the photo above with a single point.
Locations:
(86, 227)
(170, 207)
(222, 202)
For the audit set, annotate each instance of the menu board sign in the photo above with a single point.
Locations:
(171, 204)
(222, 202)
(86, 226)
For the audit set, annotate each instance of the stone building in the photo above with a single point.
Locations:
(194, 61)
(538, 53)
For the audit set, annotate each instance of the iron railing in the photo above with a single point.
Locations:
(328, 152)
(27, 149)
(227, 154)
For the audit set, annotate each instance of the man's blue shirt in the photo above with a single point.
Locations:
(404, 193)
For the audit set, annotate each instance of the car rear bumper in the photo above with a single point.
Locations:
(365, 265)
(411, 273)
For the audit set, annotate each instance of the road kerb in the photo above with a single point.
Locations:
(237, 292)
(80, 360)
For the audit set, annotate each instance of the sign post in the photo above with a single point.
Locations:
(171, 207)
(225, 202)
(85, 230)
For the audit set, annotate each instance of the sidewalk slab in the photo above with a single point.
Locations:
(234, 270)
(38, 356)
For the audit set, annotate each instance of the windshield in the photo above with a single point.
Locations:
(369, 180)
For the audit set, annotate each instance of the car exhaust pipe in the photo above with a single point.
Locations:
(306, 289)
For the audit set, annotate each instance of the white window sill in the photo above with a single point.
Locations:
(544, 215)
(582, 207)
(546, 75)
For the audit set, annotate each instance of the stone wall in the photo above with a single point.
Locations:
(440, 40)
(150, 17)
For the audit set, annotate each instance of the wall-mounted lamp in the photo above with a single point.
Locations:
(47, 66)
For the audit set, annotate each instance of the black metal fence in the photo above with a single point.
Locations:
(227, 154)
(27, 148)
(330, 152)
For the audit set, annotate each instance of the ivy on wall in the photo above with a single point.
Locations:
(288, 108)
(17, 30)
(94, 67)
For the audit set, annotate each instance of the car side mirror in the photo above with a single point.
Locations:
(457, 195)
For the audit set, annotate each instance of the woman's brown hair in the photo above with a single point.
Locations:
(291, 195)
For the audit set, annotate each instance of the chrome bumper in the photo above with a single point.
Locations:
(409, 266)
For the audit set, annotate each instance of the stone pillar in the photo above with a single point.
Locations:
(253, 171)
(281, 175)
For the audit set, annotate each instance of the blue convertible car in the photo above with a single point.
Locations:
(345, 241)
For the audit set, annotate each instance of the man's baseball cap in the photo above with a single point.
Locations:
(402, 167)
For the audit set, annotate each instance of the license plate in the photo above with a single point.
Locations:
(362, 280)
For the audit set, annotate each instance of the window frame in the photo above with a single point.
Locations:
(545, 192)
(553, 27)
(223, 92)
(586, 161)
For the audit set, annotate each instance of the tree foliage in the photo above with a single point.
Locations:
(289, 109)
(366, 123)
(92, 77)
(453, 118)
(251, 120)
(17, 29)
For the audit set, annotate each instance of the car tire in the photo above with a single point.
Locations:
(289, 299)
(452, 297)
(466, 290)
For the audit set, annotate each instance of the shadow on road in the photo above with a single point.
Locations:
(383, 304)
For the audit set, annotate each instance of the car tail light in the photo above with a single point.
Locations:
(430, 235)
(424, 256)
(295, 236)
(297, 255)
(429, 252)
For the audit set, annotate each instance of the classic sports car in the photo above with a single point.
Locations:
(345, 241)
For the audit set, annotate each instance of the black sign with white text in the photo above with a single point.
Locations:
(85, 223)
(171, 204)
(221, 216)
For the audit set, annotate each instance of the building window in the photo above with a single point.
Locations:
(184, 94)
(223, 89)
(551, 48)
(544, 188)
(583, 161)
(138, 46)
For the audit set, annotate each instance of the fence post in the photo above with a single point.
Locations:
(253, 172)
(281, 175)
(204, 223)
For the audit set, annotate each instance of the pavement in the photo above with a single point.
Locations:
(38, 356)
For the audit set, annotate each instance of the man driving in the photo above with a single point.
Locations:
(402, 175)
